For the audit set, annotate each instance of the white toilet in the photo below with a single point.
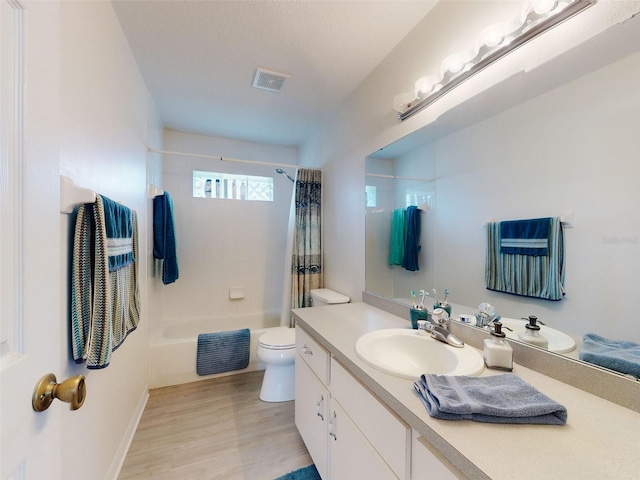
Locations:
(277, 349)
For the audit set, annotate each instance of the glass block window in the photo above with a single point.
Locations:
(232, 187)
(370, 196)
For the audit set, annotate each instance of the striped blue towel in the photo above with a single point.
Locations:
(538, 276)
(105, 296)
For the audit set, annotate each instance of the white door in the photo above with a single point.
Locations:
(30, 317)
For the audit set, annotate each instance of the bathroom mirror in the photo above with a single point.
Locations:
(558, 141)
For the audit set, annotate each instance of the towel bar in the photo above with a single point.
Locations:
(72, 195)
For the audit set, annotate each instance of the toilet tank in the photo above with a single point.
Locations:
(326, 296)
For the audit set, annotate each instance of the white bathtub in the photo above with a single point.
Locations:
(172, 353)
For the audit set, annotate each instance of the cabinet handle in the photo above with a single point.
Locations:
(318, 406)
(331, 432)
(306, 350)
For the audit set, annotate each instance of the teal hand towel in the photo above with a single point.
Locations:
(398, 231)
(496, 399)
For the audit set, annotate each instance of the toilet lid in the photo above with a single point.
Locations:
(279, 339)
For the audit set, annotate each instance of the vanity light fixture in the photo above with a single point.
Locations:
(493, 43)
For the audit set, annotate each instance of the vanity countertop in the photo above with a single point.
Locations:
(599, 441)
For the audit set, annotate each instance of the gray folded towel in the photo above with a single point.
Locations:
(496, 399)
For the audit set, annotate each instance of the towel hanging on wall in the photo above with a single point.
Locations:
(164, 237)
(405, 238)
(539, 271)
(412, 240)
(398, 233)
(525, 237)
(105, 299)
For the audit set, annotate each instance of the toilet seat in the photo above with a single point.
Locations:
(278, 339)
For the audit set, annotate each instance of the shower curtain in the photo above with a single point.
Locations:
(285, 304)
(306, 268)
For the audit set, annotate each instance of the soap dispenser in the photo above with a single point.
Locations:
(532, 334)
(498, 354)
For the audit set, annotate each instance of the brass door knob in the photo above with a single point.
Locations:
(72, 391)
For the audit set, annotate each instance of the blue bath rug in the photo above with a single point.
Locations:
(223, 351)
(305, 473)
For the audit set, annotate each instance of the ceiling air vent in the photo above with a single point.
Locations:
(268, 80)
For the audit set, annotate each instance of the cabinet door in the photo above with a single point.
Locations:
(311, 413)
(387, 434)
(428, 464)
(352, 457)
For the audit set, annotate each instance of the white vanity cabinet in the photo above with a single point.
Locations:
(312, 399)
(348, 432)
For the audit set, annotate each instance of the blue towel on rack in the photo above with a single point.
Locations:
(538, 276)
(619, 355)
(164, 237)
(119, 231)
(105, 303)
(412, 240)
(496, 399)
(398, 233)
(525, 237)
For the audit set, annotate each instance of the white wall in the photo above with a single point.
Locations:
(226, 243)
(107, 120)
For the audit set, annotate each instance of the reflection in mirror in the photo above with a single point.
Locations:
(573, 148)
(395, 190)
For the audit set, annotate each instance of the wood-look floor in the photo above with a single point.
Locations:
(215, 429)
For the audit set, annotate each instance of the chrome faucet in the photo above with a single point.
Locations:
(486, 315)
(438, 325)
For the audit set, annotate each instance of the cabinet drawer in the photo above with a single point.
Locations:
(388, 434)
(313, 354)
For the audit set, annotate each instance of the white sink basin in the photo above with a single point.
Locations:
(408, 354)
(558, 342)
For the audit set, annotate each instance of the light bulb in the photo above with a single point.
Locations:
(544, 6)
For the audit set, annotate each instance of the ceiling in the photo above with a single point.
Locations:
(198, 59)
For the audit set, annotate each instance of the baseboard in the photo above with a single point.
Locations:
(121, 454)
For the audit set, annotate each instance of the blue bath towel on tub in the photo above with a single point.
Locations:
(496, 399)
(223, 351)
(619, 355)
